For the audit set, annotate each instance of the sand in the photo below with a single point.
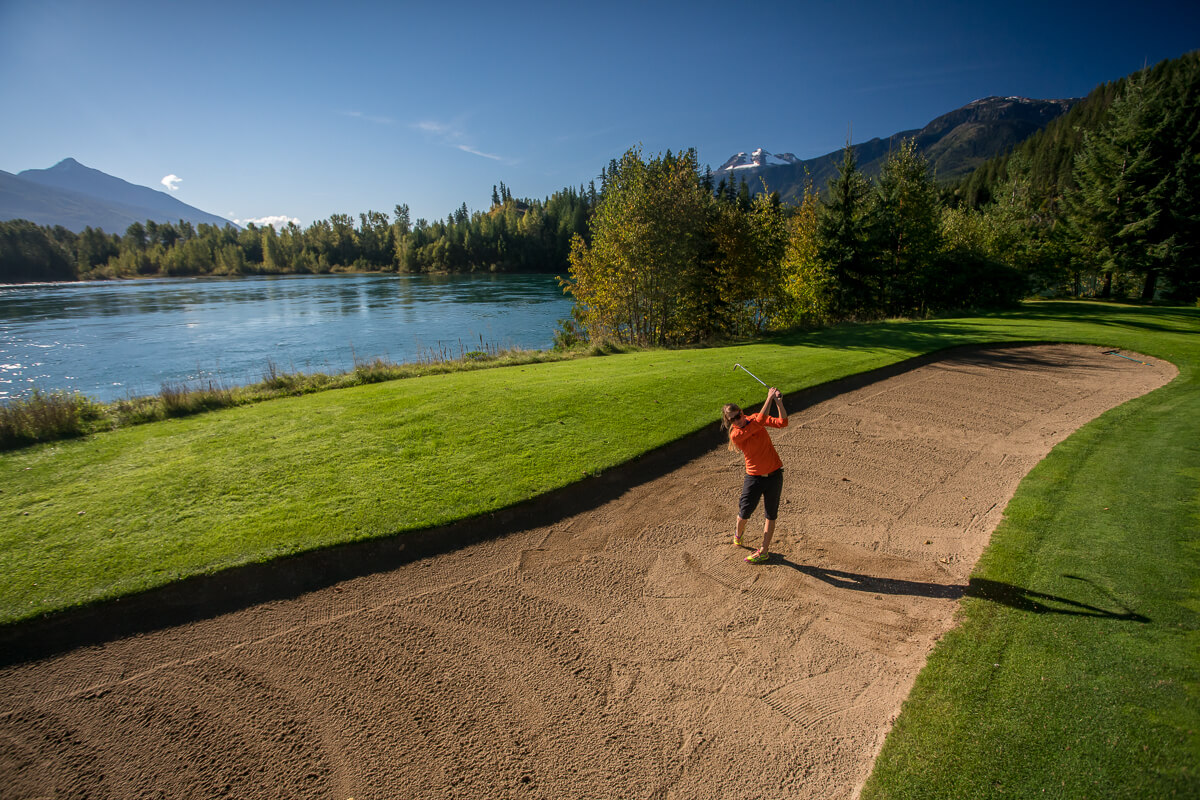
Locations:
(625, 651)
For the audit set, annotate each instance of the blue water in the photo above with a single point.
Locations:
(110, 340)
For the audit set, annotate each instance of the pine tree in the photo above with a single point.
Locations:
(1176, 249)
(844, 249)
(1134, 209)
(1111, 174)
(905, 227)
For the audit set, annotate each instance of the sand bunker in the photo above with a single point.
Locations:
(623, 652)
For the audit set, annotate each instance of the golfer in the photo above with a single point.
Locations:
(764, 469)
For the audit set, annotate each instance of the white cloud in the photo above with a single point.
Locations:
(171, 182)
(277, 221)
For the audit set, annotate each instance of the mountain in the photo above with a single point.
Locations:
(954, 143)
(75, 196)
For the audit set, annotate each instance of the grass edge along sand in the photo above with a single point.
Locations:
(1073, 668)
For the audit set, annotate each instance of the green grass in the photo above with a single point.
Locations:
(48, 417)
(1092, 614)
(1074, 670)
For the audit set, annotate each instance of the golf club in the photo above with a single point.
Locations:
(748, 372)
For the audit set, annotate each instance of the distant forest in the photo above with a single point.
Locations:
(1100, 203)
(514, 235)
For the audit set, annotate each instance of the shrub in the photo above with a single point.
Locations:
(44, 417)
(180, 400)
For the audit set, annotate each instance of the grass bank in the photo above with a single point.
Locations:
(127, 510)
(1075, 669)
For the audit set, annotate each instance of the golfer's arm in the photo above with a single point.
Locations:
(782, 410)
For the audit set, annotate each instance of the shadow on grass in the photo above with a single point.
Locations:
(979, 588)
(1166, 320)
(1041, 603)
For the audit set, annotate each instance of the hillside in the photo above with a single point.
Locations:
(1049, 154)
(955, 143)
(76, 197)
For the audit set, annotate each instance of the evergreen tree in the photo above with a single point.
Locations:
(743, 195)
(844, 244)
(1122, 175)
(905, 228)
(1175, 242)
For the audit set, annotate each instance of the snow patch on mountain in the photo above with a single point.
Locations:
(759, 158)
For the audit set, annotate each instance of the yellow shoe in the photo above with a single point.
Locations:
(758, 557)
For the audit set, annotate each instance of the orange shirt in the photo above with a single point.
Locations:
(755, 443)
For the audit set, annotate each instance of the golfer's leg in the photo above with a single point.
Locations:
(768, 532)
(746, 505)
(772, 491)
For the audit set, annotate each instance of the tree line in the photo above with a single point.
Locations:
(1101, 203)
(672, 261)
(1103, 199)
(513, 235)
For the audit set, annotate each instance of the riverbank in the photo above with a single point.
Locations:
(54, 416)
(119, 341)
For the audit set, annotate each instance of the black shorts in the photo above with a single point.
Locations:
(768, 487)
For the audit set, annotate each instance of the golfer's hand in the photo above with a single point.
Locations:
(772, 393)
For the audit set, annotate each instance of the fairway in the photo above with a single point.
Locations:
(621, 651)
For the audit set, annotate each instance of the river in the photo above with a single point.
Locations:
(114, 339)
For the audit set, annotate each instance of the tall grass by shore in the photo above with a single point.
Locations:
(46, 416)
(51, 416)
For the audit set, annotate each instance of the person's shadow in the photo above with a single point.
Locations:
(981, 588)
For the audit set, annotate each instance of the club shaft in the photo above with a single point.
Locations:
(748, 372)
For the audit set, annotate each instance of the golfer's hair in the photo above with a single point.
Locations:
(730, 411)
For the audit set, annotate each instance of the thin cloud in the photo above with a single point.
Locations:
(475, 152)
(368, 117)
(439, 128)
(171, 182)
(452, 135)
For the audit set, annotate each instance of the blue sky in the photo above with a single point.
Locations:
(303, 110)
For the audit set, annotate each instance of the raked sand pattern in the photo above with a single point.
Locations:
(623, 652)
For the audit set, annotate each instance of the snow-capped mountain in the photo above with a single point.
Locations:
(759, 158)
(954, 144)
